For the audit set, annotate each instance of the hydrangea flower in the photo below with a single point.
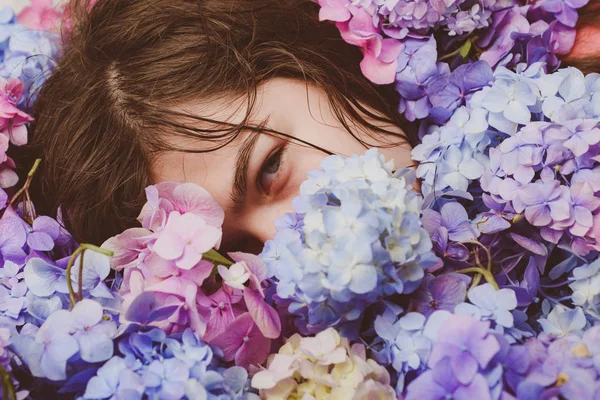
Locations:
(5, 358)
(562, 321)
(26, 54)
(564, 367)
(13, 237)
(172, 258)
(467, 346)
(443, 292)
(448, 92)
(82, 331)
(40, 15)
(13, 292)
(515, 35)
(565, 11)
(442, 383)
(361, 239)
(417, 68)
(585, 284)
(488, 303)
(184, 238)
(452, 156)
(324, 366)
(175, 367)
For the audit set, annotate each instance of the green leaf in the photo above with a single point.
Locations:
(465, 49)
(213, 256)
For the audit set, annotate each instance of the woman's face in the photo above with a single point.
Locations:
(256, 177)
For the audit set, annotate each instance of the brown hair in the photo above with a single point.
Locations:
(589, 20)
(102, 115)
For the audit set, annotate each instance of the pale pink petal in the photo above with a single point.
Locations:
(265, 317)
(189, 197)
(126, 246)
(378, 71)
(18, 135)
(189, 259)
(169, 246)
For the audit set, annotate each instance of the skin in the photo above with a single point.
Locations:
(270, 189)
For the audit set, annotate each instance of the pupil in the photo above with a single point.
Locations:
(273, 164)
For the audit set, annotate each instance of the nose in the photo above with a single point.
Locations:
(258, 225)
(261, 222)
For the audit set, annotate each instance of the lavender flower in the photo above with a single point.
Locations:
(466, 345)
(441, 383)
(442, 292)
(448, 92)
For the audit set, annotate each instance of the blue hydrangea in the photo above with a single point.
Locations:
(180, 366)
(26, 54)
(454, 155)
(360, 240)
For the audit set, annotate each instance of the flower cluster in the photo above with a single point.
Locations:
(544, 367)
(27, 53)
(325, 366)
(458, 362)
(172, 256)
(81, 333)
(13, 130)
(545, 170)
(359, 238)
(488, 287)
(154, 365)
(396, 36)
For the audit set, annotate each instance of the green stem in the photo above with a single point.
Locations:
(475, 281)
(214, 257)
(8, 390)
(25, 188)
(82, 247)
(487, 252)
(34, 168)
(478, 270)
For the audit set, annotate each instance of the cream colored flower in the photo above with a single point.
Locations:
(324, 367)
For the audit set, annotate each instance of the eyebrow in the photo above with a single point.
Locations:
(240, 179)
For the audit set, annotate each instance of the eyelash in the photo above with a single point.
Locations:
(276, 158)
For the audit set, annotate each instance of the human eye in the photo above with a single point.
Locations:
(269, 172)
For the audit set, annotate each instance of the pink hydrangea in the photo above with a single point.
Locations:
(357, 27)
(183, 198)
(12, 127)
(184, 239)
(40, 15)
(180, 224)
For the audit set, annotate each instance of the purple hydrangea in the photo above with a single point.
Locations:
(533, 171)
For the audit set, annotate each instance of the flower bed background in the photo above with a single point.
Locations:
(484, 285)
